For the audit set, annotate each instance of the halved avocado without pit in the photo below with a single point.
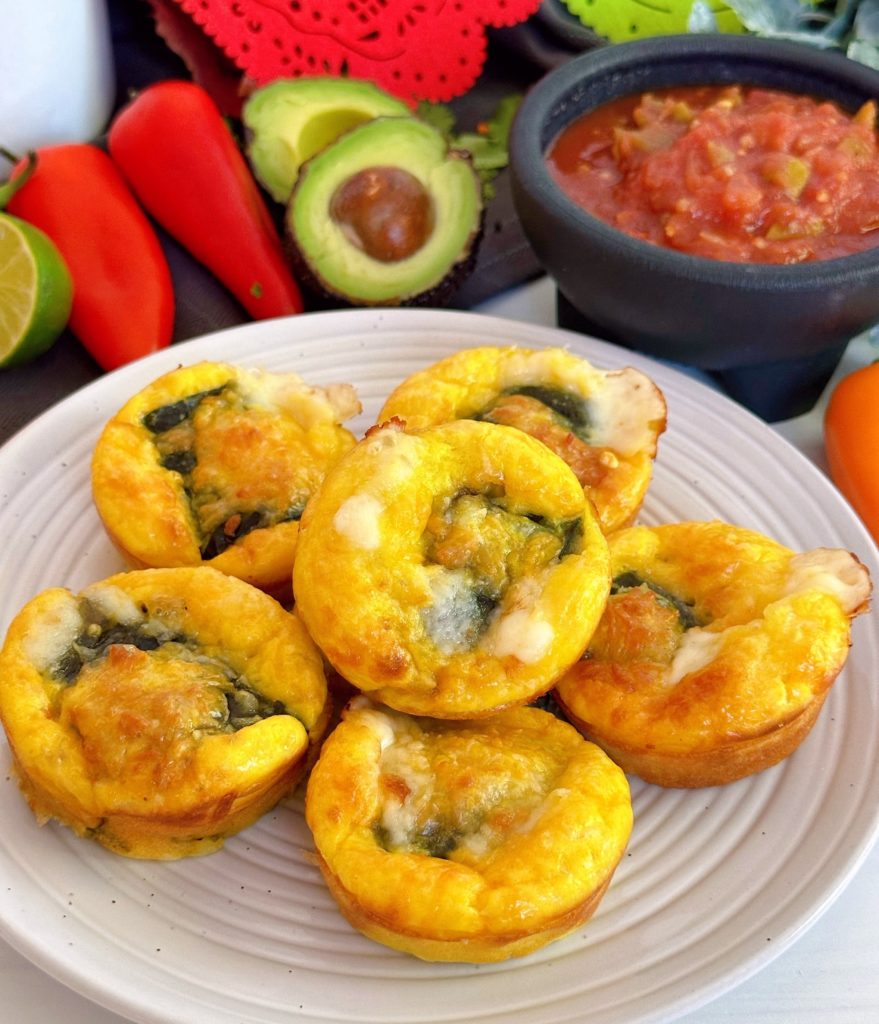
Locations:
(386, 215)
(291, 119)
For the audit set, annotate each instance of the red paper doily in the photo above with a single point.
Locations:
(416, 49)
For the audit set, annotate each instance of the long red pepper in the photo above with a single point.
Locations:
(123, 298)
(180, 158)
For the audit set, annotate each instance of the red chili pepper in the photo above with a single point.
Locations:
(181, 160)
(123, 297)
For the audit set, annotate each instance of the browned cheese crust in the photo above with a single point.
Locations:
(500, 835)
(604, 423)
(213, 464)
(715, 653)
(451, 571)
(160, 710)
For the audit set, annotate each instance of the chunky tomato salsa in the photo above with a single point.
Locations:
(730, 173)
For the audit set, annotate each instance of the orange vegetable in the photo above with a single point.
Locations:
(851, 441)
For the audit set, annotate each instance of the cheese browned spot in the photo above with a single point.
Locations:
(159, 711)
(216, 463)
(233, 449)
(104, 635)
(453, 791)
(621, 407)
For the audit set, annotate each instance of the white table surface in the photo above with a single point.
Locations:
(831, 975)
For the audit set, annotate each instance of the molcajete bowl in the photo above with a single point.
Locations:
(772, 334)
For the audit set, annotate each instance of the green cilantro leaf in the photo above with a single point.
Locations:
(487, 144)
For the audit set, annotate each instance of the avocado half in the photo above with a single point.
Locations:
(291, 119)
(386, 215)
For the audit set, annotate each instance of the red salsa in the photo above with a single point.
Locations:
(748, 175)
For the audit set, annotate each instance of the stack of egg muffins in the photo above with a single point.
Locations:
(450, 627)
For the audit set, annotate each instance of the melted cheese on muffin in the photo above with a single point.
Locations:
(474, 569)
(501, 835)
(214, 463)
(161, 710)
(604, 424)
(715, 651)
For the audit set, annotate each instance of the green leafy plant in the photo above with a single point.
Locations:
(849, 25)
(487, 144)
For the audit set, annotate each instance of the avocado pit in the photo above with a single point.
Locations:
(385, 212)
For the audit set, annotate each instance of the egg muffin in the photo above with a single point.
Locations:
(213, 464)
(604, 424)
(715, 653)
(159, 711)
(500, 835)
(451, 571)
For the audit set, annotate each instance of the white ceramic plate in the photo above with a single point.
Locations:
(715, 883)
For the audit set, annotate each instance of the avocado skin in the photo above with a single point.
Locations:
(440, 285)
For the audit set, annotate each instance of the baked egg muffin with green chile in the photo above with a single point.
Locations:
(501, 834)
(213, 463)
(159, 711)
(715, 652)
(451, 571)
(604, 423)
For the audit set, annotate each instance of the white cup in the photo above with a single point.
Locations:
(56, 72)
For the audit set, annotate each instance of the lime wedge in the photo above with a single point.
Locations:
(35, 291)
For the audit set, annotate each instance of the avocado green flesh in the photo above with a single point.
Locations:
(345, 270)
(290, 120)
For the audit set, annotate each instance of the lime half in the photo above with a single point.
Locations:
(35, 291)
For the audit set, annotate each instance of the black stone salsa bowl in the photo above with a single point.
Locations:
(771, 334)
